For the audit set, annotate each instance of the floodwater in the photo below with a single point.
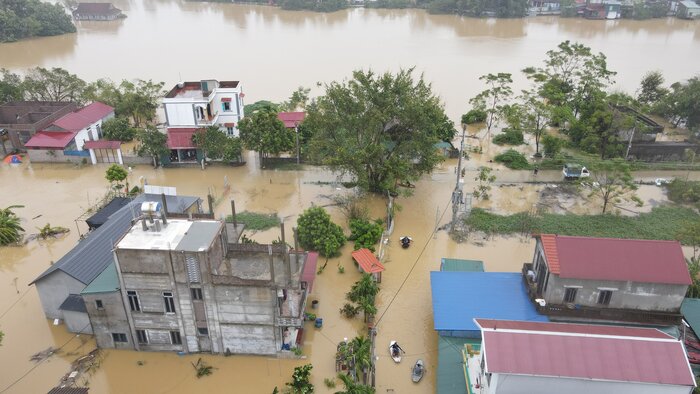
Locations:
(274, 51)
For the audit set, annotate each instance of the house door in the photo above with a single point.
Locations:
(541, 275)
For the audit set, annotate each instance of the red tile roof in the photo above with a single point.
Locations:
(645, 261)
(591, 329)
(102, 144)
(290, 119)
(309, 273)
(623, 357)
(367, 261)
(50, 139)
(181, 138)
(84, 117)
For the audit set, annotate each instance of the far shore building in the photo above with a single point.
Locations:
(521, 357)
(607, 279)
(97, 12)
(20, 120)
(192, 106)
(74, 137)
(688, 9)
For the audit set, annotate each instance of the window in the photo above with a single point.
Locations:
(226, 106)
(134, 301)
(193, 273)
(118, 337)
(175, 338)
(169, 302)
(142, 337)
(203, 331)
(196, 294)
(570, 294)
(604, 297)
(229, 131)
(99, 305)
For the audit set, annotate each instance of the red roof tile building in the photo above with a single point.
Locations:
(595, 279)
(533, 357)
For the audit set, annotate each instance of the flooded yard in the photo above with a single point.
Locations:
(58, 194)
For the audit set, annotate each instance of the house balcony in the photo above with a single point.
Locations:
(291, 310)
(575, 311)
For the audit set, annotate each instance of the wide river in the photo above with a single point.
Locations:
(273, 51)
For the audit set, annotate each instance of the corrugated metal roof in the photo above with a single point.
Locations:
(625, 358)
(460, 265)
(199, 236)
(291, 119)
(73, 303)
(102, 144)
(450, 373)
(69, 390)
(691, 313)
(573, 328)
(92, 254)
(106, 282)
(50, 139)
(101, 216)
(460, 297)
(181, 138)
(309, 273)
(690, 4)
(635, 260)
(367, 261)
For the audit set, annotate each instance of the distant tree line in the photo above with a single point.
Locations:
(30, 18)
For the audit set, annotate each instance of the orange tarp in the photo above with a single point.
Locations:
(367, 261)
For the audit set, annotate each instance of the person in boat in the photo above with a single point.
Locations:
(405, 241)
(395, 349)
(418, 368)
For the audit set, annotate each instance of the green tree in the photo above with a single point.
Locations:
(571, 75)
(651, 88)
(118, 129)
(378, 128)
(366, 234)
(212, 140)
(364, 289)
(298, 100)
(551, 145)
(29, 18)
(689, 235)
(599, 127)
(250, 109)
(10, 86)
(139, 100)
(265, 133)
(536, 117)
(361, 350)
(613, 182)
(300, 383)
(115, 174)
(152, 143)
(54, 84)
(317, 232)
(104, 91)
(682, 104)
(10, 228)
(493, 100)
(352, 387)
(694, 271)
(474, 116)
(485, 179)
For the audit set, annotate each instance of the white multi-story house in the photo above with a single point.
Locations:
(192, 106)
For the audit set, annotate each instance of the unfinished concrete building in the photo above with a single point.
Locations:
(188, 285)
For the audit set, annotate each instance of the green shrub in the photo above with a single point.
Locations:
(366, 234)
(509, 137)
(512, 159)
(474, 116)
(317, 232)
(256, 221)
(551, 145)
(683, 192)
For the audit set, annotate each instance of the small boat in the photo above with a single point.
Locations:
(418, 371)
(395, 351)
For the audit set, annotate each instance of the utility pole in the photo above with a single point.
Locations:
(296, 132)
(457, 193)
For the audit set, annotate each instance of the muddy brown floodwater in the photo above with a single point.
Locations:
(58, 194)
(274, 51)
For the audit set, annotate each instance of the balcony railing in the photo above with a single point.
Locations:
(593, 313)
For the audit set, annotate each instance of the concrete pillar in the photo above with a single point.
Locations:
(119, 156)
(233, 213)
(93, 158)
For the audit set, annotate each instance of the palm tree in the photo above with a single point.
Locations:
(365, 288)
(353, 388)
(361, 349)
(10, 229)
(368, 308)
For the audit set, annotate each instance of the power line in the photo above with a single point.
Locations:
(15, 303)
(425, 246)
(40, 362)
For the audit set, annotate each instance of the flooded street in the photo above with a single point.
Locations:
(274, 51)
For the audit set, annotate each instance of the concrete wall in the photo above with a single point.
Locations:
(180, 114)
(249, 339)
(53, 156)
(77, 322)
(110, 319)
(629, 295)
(518, 384)
(53, 290)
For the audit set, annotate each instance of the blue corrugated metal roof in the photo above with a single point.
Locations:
(459, 297)
(92, 255)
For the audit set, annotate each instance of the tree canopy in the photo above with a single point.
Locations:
(217, 145)
(30, 18)
(265, 133)
(317, 232)
(613, 182)
(10, 228)
(137, 100)
(54, 84)
(152, 143)
(118, 129)
(378, 127)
